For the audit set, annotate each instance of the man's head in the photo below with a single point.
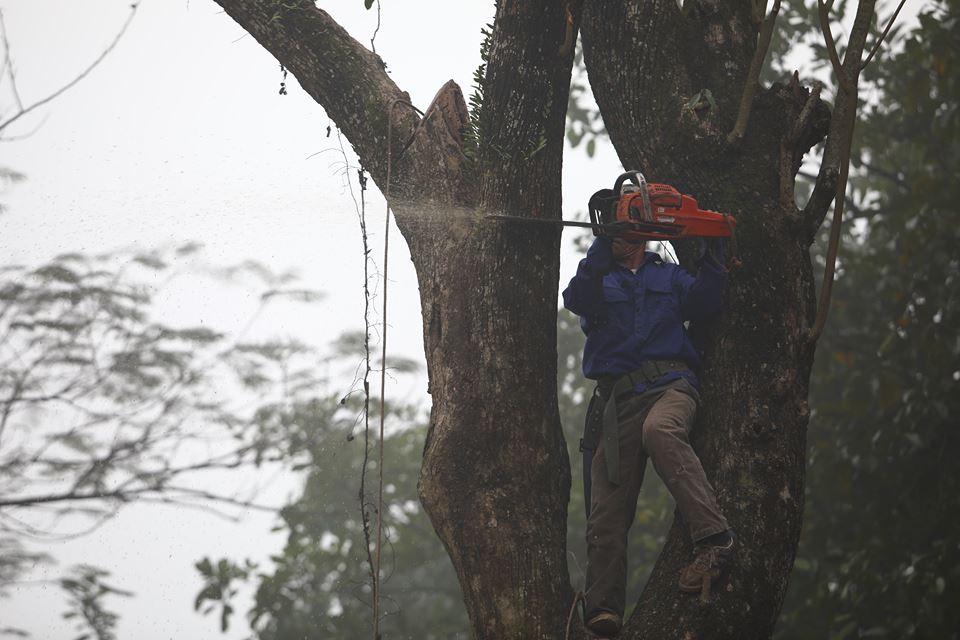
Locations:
(628, 254)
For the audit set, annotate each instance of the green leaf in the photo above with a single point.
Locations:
(151, 261)
(205, 567)
(58, 273)
(189, 248)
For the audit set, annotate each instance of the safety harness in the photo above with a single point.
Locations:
(601, 420)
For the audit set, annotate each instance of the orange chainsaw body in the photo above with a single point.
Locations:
(668, 215)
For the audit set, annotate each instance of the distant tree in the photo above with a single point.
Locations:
(101, 405)
(319, 585)
(87, 591)
(878, 556)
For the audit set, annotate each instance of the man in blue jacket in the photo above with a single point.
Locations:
(632, 308)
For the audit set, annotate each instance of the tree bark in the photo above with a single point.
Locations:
(495, 478)
(646, 62)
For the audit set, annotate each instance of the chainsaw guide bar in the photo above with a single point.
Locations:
(612, 228)
(643, 211)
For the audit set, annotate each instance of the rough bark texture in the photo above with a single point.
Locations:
(751, 432)
(495, 478)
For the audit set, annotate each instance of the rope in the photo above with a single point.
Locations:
(734, 262)
(573, 607)
(383, 364)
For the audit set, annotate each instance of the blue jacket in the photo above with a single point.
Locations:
(630, 317)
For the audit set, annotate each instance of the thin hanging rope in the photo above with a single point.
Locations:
(578, 597)
(383, 363)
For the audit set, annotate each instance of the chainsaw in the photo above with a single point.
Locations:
(637, 211)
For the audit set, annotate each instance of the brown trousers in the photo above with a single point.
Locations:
(654, 424)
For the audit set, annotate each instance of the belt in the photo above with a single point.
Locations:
(610, 388)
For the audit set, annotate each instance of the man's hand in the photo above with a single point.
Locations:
(600, 256)
(713, 249)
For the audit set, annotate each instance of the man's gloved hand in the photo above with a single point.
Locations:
(713, 249)
(600, 255)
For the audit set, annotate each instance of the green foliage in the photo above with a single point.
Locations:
(101, 404)
(319, 585)
(583, 118)
(8, 177)
(87, 591)
(14, 561)
(473, 133)
(878, 555)
(218, 589)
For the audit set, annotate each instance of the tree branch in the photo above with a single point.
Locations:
(823, 13)
(886, 30)
(8, 63)
(753, 75)
(842, 132)
(344, 77)
(25, 110)
(788, 148)
(127, 495)
(824, 191)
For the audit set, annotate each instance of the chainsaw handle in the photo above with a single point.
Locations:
(635, 176)
(641, 182)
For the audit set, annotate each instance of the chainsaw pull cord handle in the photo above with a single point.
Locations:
(641, 182)
(645, 196)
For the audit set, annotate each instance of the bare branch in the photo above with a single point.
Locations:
(806, 112)
(8, 63)
(787, 147)
(753, 75)
(83, 74)
(840, 140)
(824, 191)
(344, 77)
(128, 495)
(823, 11)
(886, 30)
(850, 205)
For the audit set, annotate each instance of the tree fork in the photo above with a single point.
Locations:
(495, 477)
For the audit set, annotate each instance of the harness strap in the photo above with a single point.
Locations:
(610, 388)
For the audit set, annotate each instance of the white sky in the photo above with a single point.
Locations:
(181, 135)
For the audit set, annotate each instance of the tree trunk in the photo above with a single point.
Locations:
(751, 431)
(495, 478)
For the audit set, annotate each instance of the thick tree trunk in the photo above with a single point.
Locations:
(751, 431)
(495, 478)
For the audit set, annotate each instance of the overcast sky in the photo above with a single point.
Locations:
(180, 135)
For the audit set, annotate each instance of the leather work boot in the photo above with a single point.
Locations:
(604, 624)
(710, 563)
